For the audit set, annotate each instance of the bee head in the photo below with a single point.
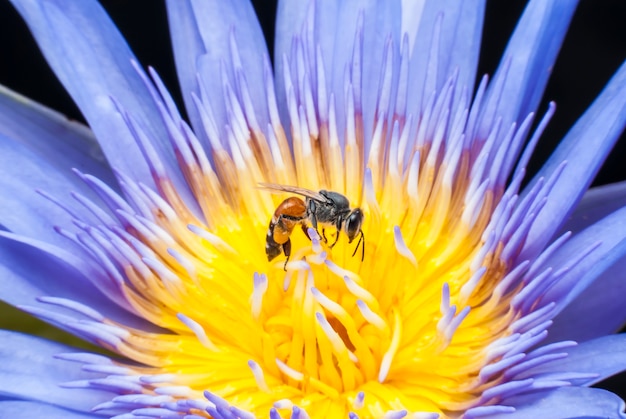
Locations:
(352, 225)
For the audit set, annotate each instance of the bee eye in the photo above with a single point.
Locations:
(353, 224)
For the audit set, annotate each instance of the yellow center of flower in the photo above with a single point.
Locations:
(408, 328)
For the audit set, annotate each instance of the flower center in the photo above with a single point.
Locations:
(327, 326)
(409, 328)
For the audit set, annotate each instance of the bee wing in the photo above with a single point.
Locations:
(293, 189)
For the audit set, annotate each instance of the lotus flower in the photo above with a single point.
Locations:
(454, 292)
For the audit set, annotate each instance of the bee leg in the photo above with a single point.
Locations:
(336, 240)
(272, 248)
(361, 239)
(305, 230)
(311, 208)
(287, 251)
(338, 226)
(324, 235)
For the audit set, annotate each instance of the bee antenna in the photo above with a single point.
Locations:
(361, 239)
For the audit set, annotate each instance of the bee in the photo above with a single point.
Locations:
(325, 208)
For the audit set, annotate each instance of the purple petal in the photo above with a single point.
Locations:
(201, 33)
(526, 63)
(458, 48)
(94, 63)
(315, 24)
(30, 269)
(607, 238)
(564, 403)
(597, 311)
(604, 356)
(23, 210)
(188, 46)
(62, 143)
(597, 203)
(584, 149)
(15, 409)
(29, 371)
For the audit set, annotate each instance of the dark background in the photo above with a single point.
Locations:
(593, 50)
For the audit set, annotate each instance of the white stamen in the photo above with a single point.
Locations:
(445, 298)
(373, 318)
(455, 323)
(317, 259)
(309, 106)
(283, 404)
(474, 204)
(401, 246)
(259, 377)
(315, 240)
(258, 291)
(340, 272)
(159, 202)
(397, 414)
(361, 292)
(470, 286)
(299, 413)
(370, 196)
(359, 401)
(288, 371)
(166, 277)
(297, 265)
(287, 280)
(185, 263)
(198, 330)
(334, 338)
(215, 241)
(393, 347)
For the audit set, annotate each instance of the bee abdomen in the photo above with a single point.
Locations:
(291, 212)
(272, 249)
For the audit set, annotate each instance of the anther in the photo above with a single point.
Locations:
(259, 377)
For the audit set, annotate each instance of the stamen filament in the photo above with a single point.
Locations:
(362, 352)
(198, 330)
(257, 371)
(259, 289)
(372, 317)
(361, 293)
(393, 347)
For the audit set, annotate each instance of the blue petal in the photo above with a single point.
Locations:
(597, 311)
(584, 149)
(607, 238)
(564, 403)
(63, 143)
(458, 49)
(15, 409)
(201, 33)
(188, 46)
(23, 210)
(597, 203)
(31, 269)
(29, 371)
(604, 357)
(94, 63)
(527, 63)
(381, 22)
